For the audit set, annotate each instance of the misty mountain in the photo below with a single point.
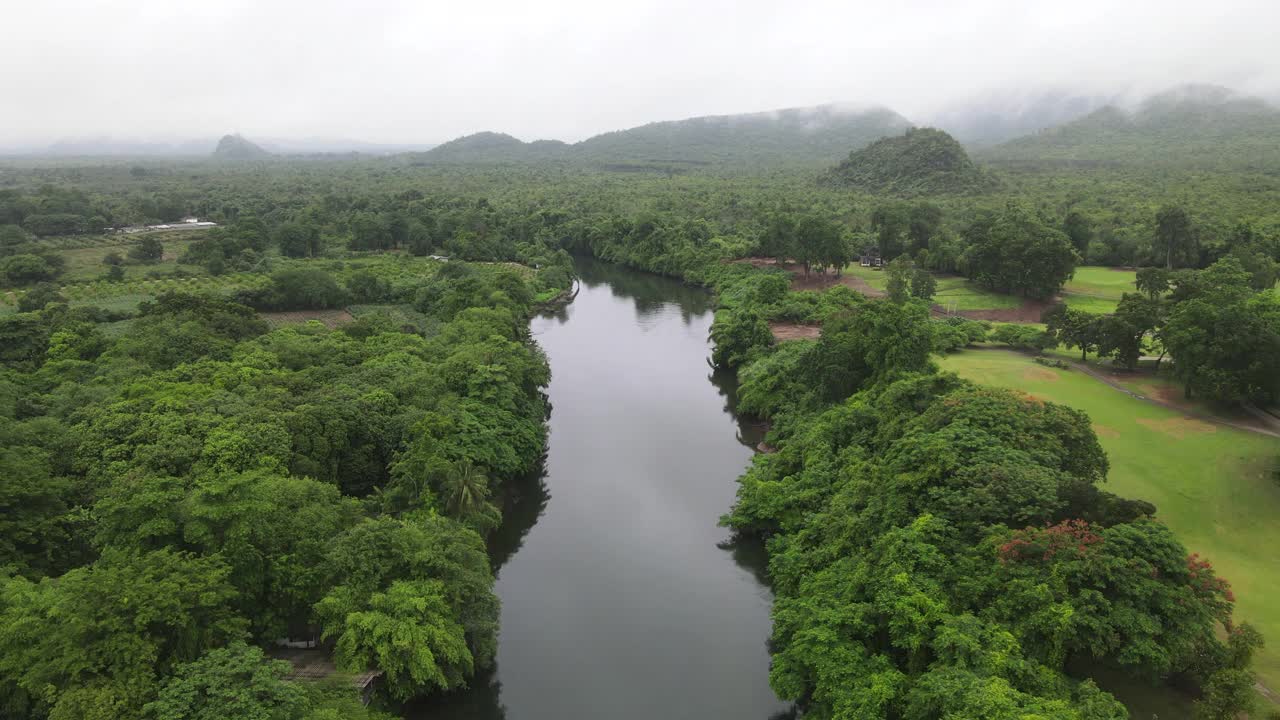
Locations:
(236, 147)
(492, 147)
(1198, 125)
(200, 147)
(919, 161)
(813, 136)
(106, 146)
(312, 146)
(996, 117)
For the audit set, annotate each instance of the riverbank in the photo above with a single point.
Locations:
(735, 287)
(621, 595)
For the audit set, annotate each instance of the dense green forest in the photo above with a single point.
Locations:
(942, 549)
(233, 483)
(185, 482)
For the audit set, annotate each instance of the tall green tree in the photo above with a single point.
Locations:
(898, 275)
(298, 239)
(237, 681)
(148, 250)
(1079, 230)
(1075, 328)
(1016, 252)
(131, 619)
(819, 241)
(410, 634)
(1175, 236)
(778, 237)
(1225, 340)
(872, 342)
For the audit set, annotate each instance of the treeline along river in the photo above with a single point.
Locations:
(621, 596)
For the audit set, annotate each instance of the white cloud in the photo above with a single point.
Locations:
(404, 71)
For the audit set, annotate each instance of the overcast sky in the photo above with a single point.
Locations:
(423, 71)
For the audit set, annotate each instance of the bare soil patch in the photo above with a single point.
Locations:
(1105, 431)
(757, 261)
(814, 280)
(329, 318)
(1028, 312)
(1163, 393)
(822, 281)
(1178, 427)
(793, 331)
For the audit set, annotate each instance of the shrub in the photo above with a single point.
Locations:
(39, 296)
(365, 287)
(1024, 337)
(150, 250)
(1052, 362)
(27, 268)
(299, 289)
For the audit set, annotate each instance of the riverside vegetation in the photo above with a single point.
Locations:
(183, 485)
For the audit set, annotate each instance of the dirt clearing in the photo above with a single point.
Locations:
(1105, 431)
(792, 331)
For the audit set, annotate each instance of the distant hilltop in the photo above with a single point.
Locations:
(920, 161)
(1202, 125)
(236, 147)
(1187, 125)
(795, 135)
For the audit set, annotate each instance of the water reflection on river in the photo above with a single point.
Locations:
(621, 597)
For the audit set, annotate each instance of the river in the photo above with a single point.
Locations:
(621, 597)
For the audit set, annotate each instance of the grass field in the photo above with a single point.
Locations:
(954, 292)
(85, 264)
(1211, 484)
(1097, 289)
(1094, 289)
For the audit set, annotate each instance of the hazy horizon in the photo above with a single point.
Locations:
(402, 73)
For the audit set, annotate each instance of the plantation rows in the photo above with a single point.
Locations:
(104, 289)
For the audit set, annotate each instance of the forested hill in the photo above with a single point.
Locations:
(793, 136)
(1191, 125)
(492, 147)
(236, 147)
(920, 161)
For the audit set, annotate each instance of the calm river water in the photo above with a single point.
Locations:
(621, 597)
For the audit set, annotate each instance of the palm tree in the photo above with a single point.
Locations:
(465, 489)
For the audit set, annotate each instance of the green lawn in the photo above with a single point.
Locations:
(85, 264)
(957, 293)
(875, 278)
(1211, 484)
(1097, 289)
(954, 292)
(1094, 289)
